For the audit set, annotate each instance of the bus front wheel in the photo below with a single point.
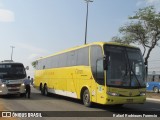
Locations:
(41, 89)
(86, 98)
(155, 89)
(118, 105)
(22, 94)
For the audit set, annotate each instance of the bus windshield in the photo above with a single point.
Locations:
(125, 67)
(12, 71)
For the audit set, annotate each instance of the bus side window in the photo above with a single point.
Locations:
(83, 56)
(96, 54)
(100, 71)
(71, 58)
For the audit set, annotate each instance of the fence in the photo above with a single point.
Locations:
(153, 76)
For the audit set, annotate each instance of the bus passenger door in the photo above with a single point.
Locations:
(100, 82)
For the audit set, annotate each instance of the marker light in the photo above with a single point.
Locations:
(142, 94)
(112, 94)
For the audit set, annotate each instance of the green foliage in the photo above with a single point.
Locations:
(34, 64)
(143, 29)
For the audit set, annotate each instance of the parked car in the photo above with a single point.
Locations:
(153, 87)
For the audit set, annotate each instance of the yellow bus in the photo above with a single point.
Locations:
(100, 72)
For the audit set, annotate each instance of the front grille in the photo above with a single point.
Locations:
(128, 95)
(13, 85)
(10, 90)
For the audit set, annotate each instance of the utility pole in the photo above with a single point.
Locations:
(87, 1)
(12, 51)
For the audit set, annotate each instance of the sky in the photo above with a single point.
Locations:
(38, 28)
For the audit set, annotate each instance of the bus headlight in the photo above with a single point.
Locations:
(3, 85)
(142, 94)
(112, 94)
(22, 84)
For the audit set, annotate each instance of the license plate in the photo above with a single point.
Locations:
(13, 87)
(129, 100)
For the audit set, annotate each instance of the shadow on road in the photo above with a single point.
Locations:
(130, 109)
(38, 96)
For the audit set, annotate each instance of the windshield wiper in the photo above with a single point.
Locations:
(131, 70)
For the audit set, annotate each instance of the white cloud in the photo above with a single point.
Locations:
(33, 56)
(152, 1)
(1, 4)
(31, 48)
(139, 3)
(6, 16)
(155, 3)
(34, 52)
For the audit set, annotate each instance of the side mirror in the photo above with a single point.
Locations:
(27, 67)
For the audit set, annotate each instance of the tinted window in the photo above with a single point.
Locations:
(44, 61)
(12, 71)
(100, 72)
(49, 63)
(54, 61)
(62, 60)
(72, 58)
(125, 67)
(83, 56)
(96, 53)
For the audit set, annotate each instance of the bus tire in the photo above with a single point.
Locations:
(41, 89)
(45, 90)
(118, 105)
(86, 98)
(22, 94)
(156, 90)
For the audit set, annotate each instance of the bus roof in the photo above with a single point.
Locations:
(82, 46)
(9, 62)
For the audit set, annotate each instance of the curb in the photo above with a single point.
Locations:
(152, 99)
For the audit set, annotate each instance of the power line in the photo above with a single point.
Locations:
(153, 67)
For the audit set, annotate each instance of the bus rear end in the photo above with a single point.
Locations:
(12, 77)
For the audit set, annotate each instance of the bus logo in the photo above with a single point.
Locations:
(6, 114)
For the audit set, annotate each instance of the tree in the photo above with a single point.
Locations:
(34, 64)
(144, 29)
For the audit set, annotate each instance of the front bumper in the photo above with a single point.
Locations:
(11, 89)
(125, 100)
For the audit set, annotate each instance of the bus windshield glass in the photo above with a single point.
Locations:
(125, 67)
(12, 71)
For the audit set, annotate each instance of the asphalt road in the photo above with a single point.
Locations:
(55, 105)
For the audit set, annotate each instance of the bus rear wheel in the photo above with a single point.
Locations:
(86, 98)
(45, 90)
